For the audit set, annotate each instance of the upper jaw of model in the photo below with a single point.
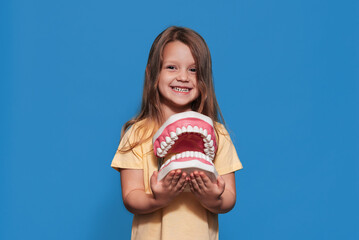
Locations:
(186, 141)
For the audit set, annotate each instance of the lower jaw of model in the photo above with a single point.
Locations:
(186, 141)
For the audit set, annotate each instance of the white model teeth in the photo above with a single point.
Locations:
(168, 147)
(178, 89)
(170, 140)
(178, 131)
(205, 132)
(201, 131)
(173, 136)
(195, 129)
(192, 154)
(209, 144)
(184, 130)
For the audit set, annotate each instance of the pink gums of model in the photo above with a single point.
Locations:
(186, 141)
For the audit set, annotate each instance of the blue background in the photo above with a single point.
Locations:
(286, 77)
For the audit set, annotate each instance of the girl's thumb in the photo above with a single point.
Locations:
(153, 179)
(220, 182)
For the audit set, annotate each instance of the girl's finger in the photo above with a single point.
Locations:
(168, 179)
(181, 183)
(182, 180)
(205, 179)
(191, 187)
(183, 187)
(199, 179)
(176, 177)
(194, 183)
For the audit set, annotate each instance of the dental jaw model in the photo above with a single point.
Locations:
(186, 141)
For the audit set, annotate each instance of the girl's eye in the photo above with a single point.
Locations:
(193, 70)
(170, 67)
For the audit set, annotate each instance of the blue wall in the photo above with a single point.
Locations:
(286, 76)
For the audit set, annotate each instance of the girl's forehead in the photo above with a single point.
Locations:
(176, 50)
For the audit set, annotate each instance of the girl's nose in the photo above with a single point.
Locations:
(182, 75)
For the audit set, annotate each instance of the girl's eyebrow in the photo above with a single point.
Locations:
(176, 62)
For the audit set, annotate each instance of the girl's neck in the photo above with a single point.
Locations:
(169, 111)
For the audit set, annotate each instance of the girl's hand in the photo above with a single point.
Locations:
(217, 197)
(169, 187)
(207, 192)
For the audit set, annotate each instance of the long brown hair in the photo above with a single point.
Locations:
(151, 112)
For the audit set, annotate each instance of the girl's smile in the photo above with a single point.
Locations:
(177, 82)
(181, 89)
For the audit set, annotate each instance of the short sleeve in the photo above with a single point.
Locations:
(226, 160)
(130, 159)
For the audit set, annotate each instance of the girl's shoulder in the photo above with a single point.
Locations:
(223, 135)
(137, 125)
(139, 130)
(220, 129)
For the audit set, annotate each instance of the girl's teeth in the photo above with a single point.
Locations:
(181, 89)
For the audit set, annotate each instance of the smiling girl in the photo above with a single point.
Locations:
(178, 79)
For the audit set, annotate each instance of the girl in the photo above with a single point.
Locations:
(178, 78)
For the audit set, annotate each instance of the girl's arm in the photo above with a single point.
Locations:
(219, 197)
(135, 198)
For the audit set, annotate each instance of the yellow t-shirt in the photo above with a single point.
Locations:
(184, 218)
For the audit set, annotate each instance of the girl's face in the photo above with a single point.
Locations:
(177, 82)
